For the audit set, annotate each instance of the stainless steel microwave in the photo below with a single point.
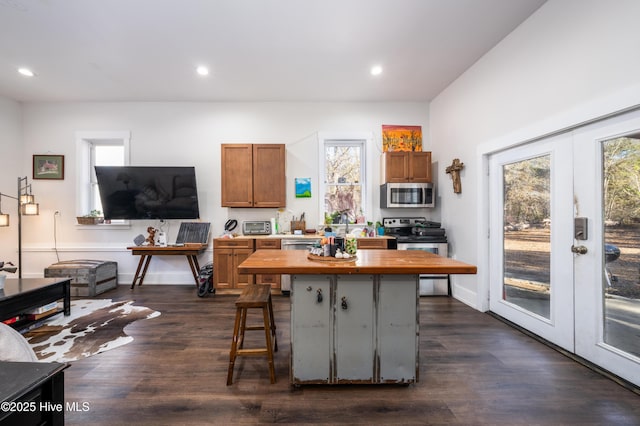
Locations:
(407, 195)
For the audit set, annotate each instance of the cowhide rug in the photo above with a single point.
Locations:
(94, 326)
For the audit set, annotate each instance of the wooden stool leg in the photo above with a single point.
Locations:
(234, 346)
(243, 327)
(273, 326)
(267, 334)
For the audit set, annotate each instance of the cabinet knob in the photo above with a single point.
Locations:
(344, 303)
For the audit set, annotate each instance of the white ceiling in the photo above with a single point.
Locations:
(257, 50)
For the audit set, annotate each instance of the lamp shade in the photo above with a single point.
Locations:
(4, 219)
(26, 199)
(30, 209)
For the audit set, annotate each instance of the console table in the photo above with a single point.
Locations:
(23, 294)
(191, 251)
(32, 393)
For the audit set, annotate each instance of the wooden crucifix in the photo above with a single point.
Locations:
(454, 171)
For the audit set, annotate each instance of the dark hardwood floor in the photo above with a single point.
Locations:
(474, 370)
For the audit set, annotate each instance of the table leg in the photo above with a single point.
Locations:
(67, 298)
(195, 267)
(144, 259)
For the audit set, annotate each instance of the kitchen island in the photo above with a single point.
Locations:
(354, 321)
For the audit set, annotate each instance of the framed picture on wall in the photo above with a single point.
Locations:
(48, 167)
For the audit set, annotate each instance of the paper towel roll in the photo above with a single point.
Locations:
(274, 231)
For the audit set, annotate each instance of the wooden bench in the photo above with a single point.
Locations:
(254, 296)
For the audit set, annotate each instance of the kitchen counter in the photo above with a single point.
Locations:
(354, 322)
(367, 262)
(304, 236)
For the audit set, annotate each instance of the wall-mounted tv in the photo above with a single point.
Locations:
(139, 192)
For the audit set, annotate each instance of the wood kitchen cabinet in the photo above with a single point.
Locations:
(406, 166)
(371, 243)
(272, 279)
(227, 255)
(253, 175)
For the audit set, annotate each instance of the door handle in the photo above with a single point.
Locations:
(579, 249)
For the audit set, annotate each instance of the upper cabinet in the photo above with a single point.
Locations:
(253, 175)
(406, 166)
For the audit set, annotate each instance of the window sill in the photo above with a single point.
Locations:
(120, 225)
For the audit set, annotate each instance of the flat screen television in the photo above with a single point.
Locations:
(139, 192)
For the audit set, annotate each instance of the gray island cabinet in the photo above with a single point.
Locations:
(362, 329)
(354, 321)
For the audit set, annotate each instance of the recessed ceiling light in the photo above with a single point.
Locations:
(202, 70)
(26, 72)
(376, 70)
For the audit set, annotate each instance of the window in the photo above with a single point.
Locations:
(102, 154)
(343, 176)
(97, 149)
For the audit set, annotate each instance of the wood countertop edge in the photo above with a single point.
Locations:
(293, 236)
(361, 270)
(373, 261)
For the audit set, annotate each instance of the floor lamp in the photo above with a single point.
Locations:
(26, 207)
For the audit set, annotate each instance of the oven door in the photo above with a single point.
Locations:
(431, 285)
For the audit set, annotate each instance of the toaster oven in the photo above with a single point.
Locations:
(256, 227)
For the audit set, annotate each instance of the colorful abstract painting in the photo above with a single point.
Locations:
(401, 138)
(303, 187)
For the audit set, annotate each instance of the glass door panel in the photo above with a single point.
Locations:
(621, 245)
(527, 236)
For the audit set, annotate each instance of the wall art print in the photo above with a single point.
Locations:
(303, 187)
(401, 138)
(48, 167)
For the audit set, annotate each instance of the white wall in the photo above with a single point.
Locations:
(572, 61)
(177, 133)
(13, 166)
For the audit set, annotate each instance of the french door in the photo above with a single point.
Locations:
(565, 241)
(531, 219)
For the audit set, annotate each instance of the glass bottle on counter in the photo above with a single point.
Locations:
(351, 244)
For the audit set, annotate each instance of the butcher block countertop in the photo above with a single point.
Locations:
(367, 262)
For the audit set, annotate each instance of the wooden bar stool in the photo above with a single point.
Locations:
(253, 297)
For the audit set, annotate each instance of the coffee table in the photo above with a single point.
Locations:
(21, 295)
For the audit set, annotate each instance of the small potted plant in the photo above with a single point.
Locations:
(380, 228)
(6, 267)
(93, 218)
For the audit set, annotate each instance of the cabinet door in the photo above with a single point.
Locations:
(269, 186)
(311, 329)
(223, 268)
(398, 328)
(420, 167)
(354, 344)
(396, 166)
(239, 256)
(274, 280)
(236, 165)
(371, 243)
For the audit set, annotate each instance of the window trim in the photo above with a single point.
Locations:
(365, 140)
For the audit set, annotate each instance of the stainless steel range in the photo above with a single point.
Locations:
(417, 233)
